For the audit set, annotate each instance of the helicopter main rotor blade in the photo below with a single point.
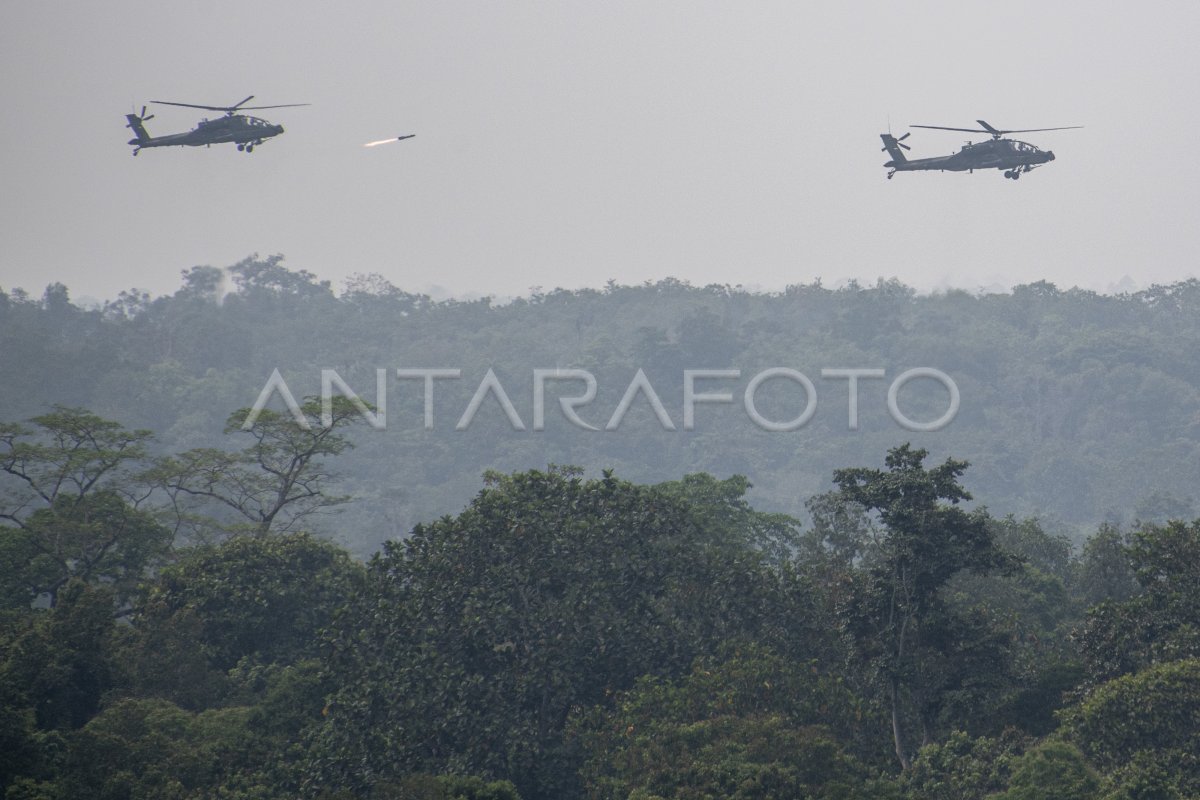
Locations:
(190, 105)
(226, 109)
(994, 131)
(1034, 130)
(236, 106)
(943, 128)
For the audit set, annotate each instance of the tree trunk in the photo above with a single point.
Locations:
(897, 736)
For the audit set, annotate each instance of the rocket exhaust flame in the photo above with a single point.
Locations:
(385, 141)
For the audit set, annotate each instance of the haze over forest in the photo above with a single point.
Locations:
(1076, 407)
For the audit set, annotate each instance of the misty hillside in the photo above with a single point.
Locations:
(1075, 407)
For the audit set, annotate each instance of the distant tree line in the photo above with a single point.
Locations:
(1077, 407)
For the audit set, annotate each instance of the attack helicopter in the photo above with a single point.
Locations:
(241, 129)
(1012, 156)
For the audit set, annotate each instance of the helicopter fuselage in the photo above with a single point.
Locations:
(244, 131)
(1006, 154)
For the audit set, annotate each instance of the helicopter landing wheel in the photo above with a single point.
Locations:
(249, 148)
(241, 147)
(135, 152)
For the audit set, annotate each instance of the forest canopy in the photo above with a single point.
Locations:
(566, 637)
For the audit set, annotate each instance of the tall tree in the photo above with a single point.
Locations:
(69, 453)
(73, 506)
(270, 485)
(896, 617)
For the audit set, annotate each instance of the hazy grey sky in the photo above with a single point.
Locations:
(566, 143)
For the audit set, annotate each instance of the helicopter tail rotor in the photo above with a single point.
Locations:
(895, 148)
(134, 123)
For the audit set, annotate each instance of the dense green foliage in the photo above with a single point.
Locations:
(1052, 769)
(1148, 722)
(548, 593)
(748, 725)
(73, 502)
(565, 637)
(1162, 622)
(249, 604)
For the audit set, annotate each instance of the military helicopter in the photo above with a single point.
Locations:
(1010, 155)
(245, 131)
